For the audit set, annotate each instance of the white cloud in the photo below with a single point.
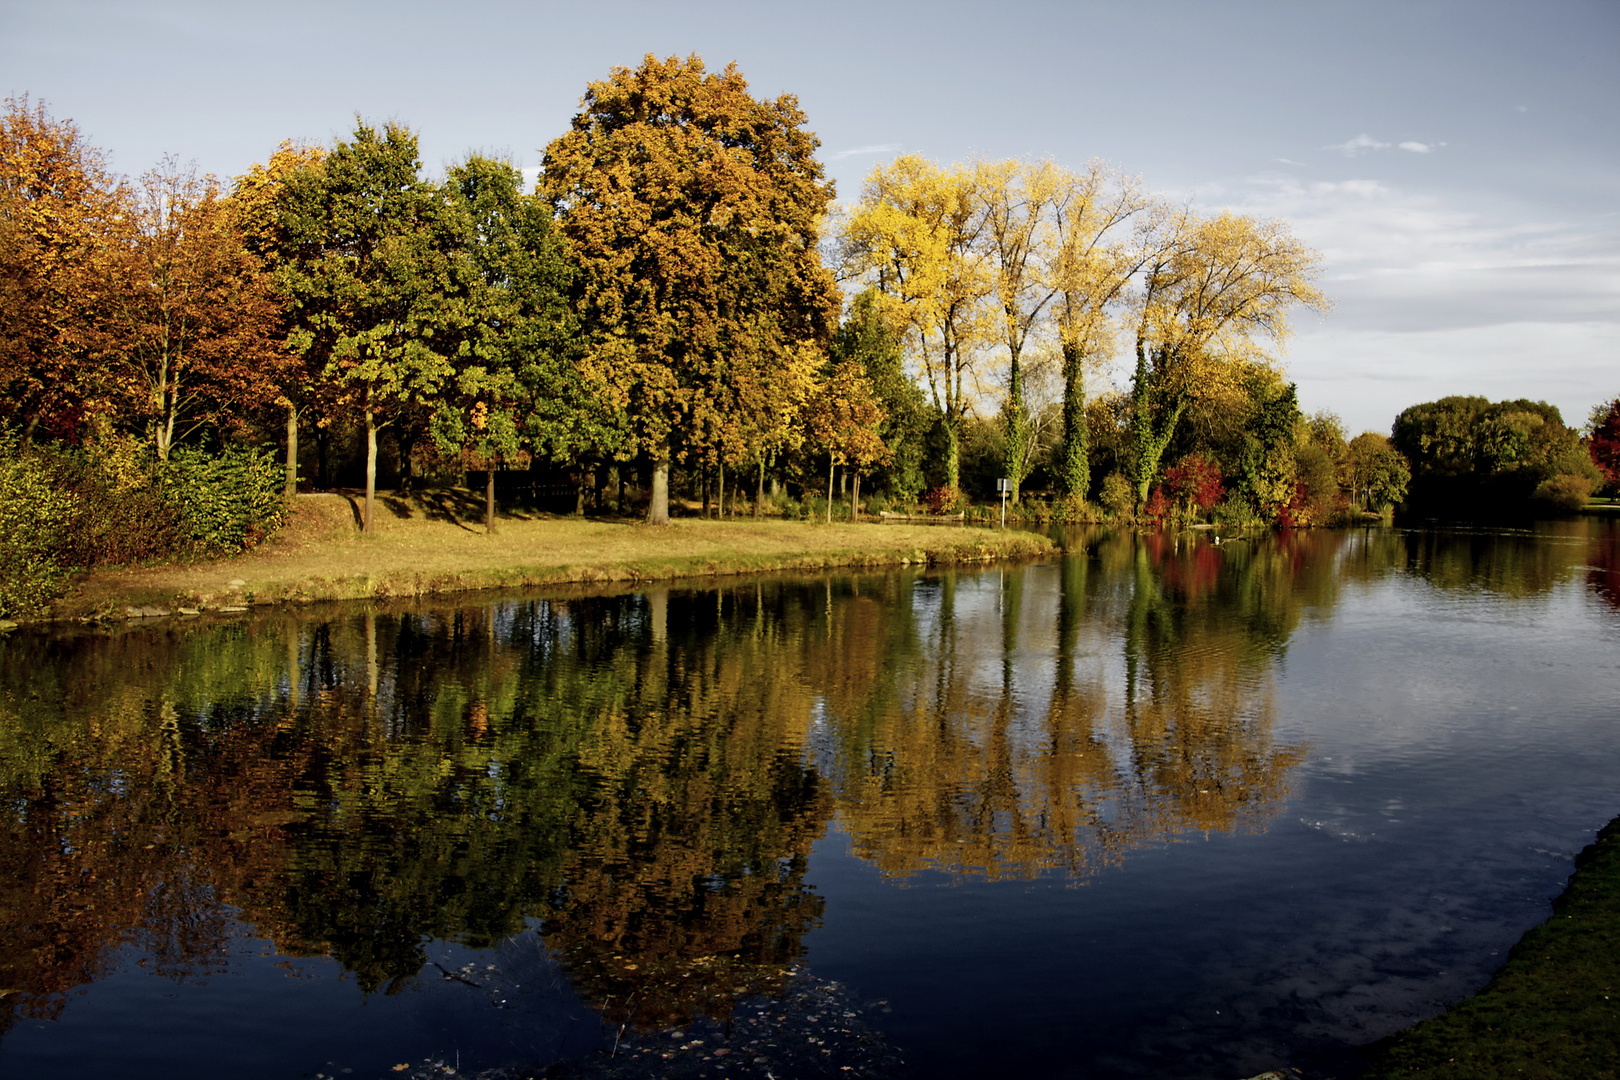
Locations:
(1434, 296)
(863, 151)
(1417, 147)
(1290, 161)
(1360, 144)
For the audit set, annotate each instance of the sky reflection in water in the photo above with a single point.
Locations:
(1159, 808)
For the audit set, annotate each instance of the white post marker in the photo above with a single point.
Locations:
(1003, 485)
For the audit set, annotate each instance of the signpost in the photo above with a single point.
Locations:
(1003, 485)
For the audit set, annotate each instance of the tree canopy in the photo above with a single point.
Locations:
(692, 211)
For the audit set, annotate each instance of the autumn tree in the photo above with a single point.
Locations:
(692, 210)
(190, 313)
(1215, 290)
(1604, 442)
(1019, 206)
(60, 209)
(377, 278)
(867, 337)
(916, 235)
(1374, 472)
(1097, 256)
(843, 418)
(255, 197)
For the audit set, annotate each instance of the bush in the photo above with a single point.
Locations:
(1074, 509)
(229, 501)
(1237, 512)
(33, 515)
(121, 516)
(1119, 496)
(943, 500)
(1195, 483)
(1565, 494)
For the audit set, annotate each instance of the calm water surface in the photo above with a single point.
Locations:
(1157, 808)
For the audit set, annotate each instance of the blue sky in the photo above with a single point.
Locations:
(1458, 164)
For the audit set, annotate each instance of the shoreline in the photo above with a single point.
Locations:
(433, 544)
(1551, 1010)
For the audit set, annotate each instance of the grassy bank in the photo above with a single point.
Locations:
(435, 543)
(1552, 1011)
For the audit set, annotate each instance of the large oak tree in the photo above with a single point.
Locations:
(693, 210)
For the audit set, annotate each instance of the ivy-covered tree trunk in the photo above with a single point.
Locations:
(1153, 425)
(1016, 427)
(953, 453)
(1076, 462)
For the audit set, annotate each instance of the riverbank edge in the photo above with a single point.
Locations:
(1552, 1010)
(252, 579)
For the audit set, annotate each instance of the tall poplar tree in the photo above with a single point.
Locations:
(692, 211)
(1096, 258)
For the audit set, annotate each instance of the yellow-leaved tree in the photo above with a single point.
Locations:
(1096, 254)
(916, 234)
(1214, 292)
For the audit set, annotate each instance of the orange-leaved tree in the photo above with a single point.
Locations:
(192, 315)
(60, 210)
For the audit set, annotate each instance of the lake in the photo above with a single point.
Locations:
(1158, 808)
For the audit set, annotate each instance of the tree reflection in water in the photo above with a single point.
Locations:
(646, 774)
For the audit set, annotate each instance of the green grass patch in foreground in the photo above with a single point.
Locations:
(1553, 1010)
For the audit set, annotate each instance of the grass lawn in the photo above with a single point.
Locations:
(1552, 1011)
(435, 542)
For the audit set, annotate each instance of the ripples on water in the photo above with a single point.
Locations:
(1155, 809)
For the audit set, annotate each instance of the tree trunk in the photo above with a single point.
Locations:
(323, 458)
(658, 507)
(953, 454)
(371, 469)
(720, 501)
(290, 488)
(1076, 461)
(1016, 423)
(618, 471)
(855, 502)
(489, 500)
(759, 493)
(832, 466)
